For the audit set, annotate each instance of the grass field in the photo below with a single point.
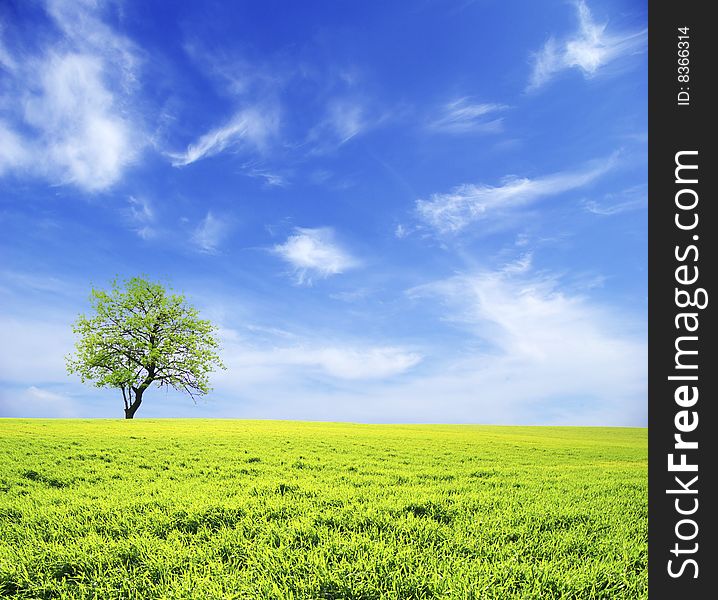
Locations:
(274, 509)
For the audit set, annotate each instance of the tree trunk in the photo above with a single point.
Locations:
(132, 409)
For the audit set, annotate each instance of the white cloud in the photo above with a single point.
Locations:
(141, 210)
(13, 152)
(338, 361)
(71, 103)
(314, 253)
(232, 73)
(347, 119)
(271, 179)
(613, 204)
(37, 402)
(531, 351)
(354, 295)
(463, 116)
(210, 233)
(588, 50)
(370, 363)
(81, 23)
(6, 59)
(251, 127)
(87, 142)
(520, 265)
(23, 284)
(543, 354)
(142, 216)
(453, 211)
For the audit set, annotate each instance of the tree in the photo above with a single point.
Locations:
(139, 335)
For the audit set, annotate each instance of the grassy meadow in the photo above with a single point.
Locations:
(276, 509)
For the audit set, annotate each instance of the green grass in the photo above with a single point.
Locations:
(273, 509)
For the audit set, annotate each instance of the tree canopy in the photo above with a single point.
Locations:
(139, 334)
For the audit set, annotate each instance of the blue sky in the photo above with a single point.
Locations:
(394, 211)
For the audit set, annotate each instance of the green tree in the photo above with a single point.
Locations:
(140, 334)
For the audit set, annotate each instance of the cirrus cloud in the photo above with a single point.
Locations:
(588, 50)
(452, 211)
(210, 233)
(251, 127)
(464, 116)
(543, 352)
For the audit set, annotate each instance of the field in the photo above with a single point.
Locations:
(273, 509)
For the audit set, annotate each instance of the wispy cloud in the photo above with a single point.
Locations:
(453, 211)
(544, 353)
(400, 231)
(354, 295)
(6, 58)
(82, 23)
(464, 116)
(612, 204)
(141, 215)
(333, 108)
(210, 233)
(88, 141)
(534, 350)
(232, 73)
(69, 120)
(270, 178)
(14, 153)
(314, 253)
(37, 401)
(344, 119)
(364, 363)
(249, 128)
(342, 362)
(24, 283)
(589, 49)
(347, 119)
(519, 265)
